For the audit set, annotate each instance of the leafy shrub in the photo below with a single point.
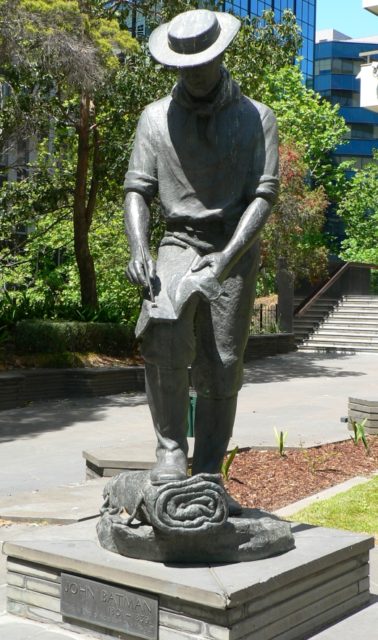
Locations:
(46, 336)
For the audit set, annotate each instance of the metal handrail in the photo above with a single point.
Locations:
(315, 295)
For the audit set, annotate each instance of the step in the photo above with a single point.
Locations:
(313, 317)
(362, 299)
(347, 331)
(305, 324)
(361, 313)
(336, 348)
(352, 322)
(359, 303)
(355, 307)
(315, 340)
(343, 340)
(304, 332)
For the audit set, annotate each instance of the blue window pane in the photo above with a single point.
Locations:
(305, 14)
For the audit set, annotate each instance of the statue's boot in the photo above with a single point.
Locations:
(168, 398)
(214, 422)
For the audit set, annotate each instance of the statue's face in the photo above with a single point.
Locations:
(200, 81)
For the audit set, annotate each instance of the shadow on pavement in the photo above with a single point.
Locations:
(52, 415)
(297, 365)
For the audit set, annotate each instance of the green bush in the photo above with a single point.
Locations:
(46, 336)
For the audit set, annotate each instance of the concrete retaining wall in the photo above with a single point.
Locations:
(18, 388)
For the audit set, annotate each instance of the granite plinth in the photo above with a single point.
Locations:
(290, 596)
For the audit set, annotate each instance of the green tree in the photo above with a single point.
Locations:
(263, 47)
(58, 55)
(312, 122)
(261, 59)
(294, 230)
(359, 211)
(39, 267)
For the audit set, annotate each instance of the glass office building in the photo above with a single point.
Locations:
(337, 63)
(305, 11)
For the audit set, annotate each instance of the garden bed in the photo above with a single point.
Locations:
(264, 479)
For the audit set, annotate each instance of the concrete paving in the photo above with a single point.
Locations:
(305, 394)
(13, 628)
(302, 393)
(57, 505)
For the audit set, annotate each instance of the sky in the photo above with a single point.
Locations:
(346, 16)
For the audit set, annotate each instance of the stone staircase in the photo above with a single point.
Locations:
(305, 325)
(349, 325)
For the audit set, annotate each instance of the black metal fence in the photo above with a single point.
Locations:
(264, 319)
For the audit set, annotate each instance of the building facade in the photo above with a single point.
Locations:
(305, 12)
(337, 63)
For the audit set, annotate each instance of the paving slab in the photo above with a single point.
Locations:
(61, 505)
(12, 628)
(363, 624)
(303, 393)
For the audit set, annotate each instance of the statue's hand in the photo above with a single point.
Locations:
(218, 263)
(135, 271)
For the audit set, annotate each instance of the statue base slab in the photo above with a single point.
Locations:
(291, 595)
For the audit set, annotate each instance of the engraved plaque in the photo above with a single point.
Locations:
(132, 612)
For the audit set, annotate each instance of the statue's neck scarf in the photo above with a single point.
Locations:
(227, 91)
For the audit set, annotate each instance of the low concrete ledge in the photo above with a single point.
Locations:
(270, 344)
(30, 385)
(18, 388)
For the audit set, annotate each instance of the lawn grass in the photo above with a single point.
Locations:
(353, 510)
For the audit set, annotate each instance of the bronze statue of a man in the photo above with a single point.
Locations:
(211, 154)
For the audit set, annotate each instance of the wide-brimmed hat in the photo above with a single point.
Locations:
(193, 38)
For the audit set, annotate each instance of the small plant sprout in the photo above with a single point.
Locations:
(280, 437)
(225, 469)
(359, 433)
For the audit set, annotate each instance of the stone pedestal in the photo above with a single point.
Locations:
(286, 597)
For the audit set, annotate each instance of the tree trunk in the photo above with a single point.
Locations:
(82, 218)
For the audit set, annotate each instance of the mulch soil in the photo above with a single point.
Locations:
(266, 480)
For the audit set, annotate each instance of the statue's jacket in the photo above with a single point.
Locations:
(207, 164)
